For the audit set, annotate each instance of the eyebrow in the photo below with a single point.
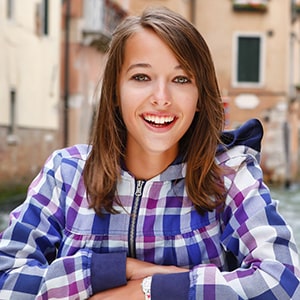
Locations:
(145, 65)
(138, 65)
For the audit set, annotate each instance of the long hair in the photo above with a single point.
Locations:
(198, 146)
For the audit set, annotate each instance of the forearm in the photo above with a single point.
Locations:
(165, 285)
(137, 269)
(132, 290)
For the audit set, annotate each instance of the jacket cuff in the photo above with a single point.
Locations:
(170, 286)
(108, 270)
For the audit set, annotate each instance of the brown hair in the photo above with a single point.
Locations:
(198, 146)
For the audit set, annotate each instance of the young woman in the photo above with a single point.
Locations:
(161, 204)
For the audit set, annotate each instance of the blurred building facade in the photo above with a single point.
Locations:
(91, 23)
(52, 55)
(29, 85)
(255, 45)
(51, 82)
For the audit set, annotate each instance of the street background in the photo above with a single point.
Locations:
(52, 54)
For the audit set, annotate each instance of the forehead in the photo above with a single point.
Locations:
(145, 37)
(146, 43)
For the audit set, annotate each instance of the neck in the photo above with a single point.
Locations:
(146, 166)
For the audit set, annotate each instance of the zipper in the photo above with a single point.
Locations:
(133, 217)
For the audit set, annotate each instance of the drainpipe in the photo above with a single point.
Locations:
(66, 74)
(193, 11)
(286, 139)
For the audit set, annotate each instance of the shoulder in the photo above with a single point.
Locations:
(73, 156)
(79, 151)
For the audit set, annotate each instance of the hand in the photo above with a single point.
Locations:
(137, 269)
(132, 291)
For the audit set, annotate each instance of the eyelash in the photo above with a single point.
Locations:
(178, 79)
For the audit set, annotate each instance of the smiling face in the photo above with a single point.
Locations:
(157, 97)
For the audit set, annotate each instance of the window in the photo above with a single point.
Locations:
(42, 18)
(10, 9)
(295, 9)
(102, 16)
(45, 15)
(248, 60)
(12, 125)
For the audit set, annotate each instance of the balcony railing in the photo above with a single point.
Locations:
(100, 19)
(250, 5)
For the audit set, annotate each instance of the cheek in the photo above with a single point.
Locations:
(130, 100)
(190, 103)
(127, 108)
(190, 117)
(122, 100)
(189, 109)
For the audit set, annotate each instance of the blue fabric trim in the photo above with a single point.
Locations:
(249, 134)
(170, 286)
(108, 271)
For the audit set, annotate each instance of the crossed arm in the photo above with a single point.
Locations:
(136, 271)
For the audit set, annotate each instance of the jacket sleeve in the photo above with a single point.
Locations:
(30, 264)
(257, 236)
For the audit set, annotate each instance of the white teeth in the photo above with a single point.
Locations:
(158, 120)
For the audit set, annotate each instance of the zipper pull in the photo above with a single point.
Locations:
(139, 187)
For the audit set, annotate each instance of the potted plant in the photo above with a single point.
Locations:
(250, 5)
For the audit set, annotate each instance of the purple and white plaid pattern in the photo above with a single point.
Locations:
(47, 248)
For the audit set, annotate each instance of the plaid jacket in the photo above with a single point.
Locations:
(57, 248)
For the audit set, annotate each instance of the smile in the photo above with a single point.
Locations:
(158, 120)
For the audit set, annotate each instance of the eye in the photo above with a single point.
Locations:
(140, 77)
(182, 79)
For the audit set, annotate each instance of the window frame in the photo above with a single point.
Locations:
(261, 74)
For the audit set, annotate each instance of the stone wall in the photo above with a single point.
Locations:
(24, 153)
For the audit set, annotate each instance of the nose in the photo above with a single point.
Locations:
(161, 95)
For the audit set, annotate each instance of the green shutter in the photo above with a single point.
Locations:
(248, 59)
